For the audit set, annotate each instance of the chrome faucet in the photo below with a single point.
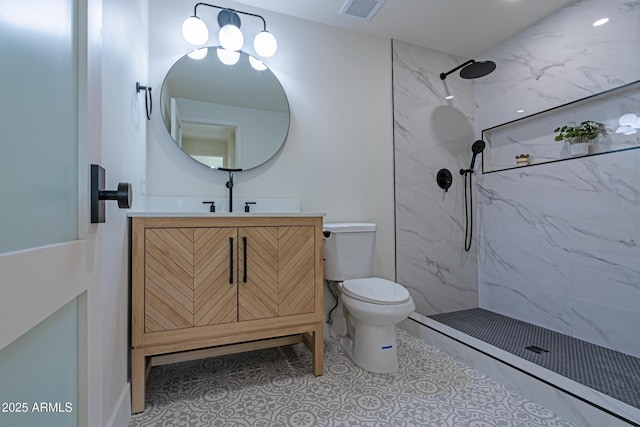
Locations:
(230, 185)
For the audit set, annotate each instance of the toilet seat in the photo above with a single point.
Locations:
(376, 291)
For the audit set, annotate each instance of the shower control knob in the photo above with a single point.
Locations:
(444, 179)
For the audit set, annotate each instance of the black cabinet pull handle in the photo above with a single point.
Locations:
(244, 244)
(231, 260)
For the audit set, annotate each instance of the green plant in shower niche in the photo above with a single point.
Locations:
(584, 132)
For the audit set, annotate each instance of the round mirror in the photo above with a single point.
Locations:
(225, 116)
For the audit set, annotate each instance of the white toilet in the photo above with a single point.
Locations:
(373, 305)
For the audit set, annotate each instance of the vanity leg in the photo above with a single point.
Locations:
(138, 380)
(318, 350)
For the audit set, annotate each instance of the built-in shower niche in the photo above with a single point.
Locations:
(618, 110)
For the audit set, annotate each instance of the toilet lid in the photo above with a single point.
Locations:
(376, 290)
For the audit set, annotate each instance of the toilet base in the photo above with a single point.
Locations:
(373, 348)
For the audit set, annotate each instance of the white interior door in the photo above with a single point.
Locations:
(48, 251)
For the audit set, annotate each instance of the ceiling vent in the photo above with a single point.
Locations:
(363, 9)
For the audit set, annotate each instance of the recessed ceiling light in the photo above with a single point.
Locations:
(449, 97)
(600, 22)
(520, 111)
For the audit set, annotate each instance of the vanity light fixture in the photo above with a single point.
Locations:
(198, 53)
(228, 57)
(629, 124)
(257, 64)
(230, 37)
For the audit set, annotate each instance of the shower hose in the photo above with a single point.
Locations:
(468, 212)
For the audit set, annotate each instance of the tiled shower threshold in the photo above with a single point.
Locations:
(579, 403)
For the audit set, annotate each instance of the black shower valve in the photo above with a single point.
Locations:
(444, 179)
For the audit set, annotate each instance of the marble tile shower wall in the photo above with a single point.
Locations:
(432, 133)
(559, 243)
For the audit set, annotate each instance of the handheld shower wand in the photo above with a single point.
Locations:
(476, 148)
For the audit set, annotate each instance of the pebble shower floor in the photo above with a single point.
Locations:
(275, 387)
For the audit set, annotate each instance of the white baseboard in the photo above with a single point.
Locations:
(121, 414)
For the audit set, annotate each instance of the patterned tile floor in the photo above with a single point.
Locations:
(275, 387)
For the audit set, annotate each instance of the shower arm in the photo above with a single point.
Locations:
(444, 75)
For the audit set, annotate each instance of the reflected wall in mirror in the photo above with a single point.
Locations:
(224, 116)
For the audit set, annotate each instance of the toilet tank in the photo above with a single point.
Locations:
(348, 250)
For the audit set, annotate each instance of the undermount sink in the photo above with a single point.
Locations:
(196, 205)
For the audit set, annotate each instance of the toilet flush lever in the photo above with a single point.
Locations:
(123, 194)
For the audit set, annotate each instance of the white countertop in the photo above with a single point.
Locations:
(224, 214)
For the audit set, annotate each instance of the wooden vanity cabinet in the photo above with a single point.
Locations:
(224, 284)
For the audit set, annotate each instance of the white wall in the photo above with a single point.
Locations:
(338, 157)
(124, 125)
(432, 133)
(558, 242)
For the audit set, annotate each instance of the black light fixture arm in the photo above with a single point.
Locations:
(195, 12)
(444, 75)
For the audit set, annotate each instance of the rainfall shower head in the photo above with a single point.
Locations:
(477, 69)
(472, 69)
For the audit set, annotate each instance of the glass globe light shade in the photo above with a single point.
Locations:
(231, 37)
(195, 31)
(198, 53)
(265, 44)
(627, 119)
(228, 57)
(257, 64)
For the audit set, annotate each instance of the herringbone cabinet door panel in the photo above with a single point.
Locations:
(168, 295)
(297, 273)
(258, 296)
(215, 298)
